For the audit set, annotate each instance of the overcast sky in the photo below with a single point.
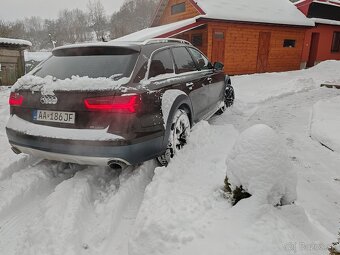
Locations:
(11, 10)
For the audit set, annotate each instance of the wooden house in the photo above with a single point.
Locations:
(12, 62)
(322, 42)
(248, 36)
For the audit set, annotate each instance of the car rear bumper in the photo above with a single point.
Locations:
(85, 151)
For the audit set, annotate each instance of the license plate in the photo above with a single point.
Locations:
(54, 116)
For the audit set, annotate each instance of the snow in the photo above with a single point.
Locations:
(48, 84)
(326, 21)
(262, 11)
(258, 88)
(28, 128)
(325, 123)
(54, 208)
(167, 100)
(154, 32)
(37, 56)
(15, 41)
(259, 163)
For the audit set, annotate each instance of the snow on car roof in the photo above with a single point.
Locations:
(261, 11)
(15, 41)
(112, 43)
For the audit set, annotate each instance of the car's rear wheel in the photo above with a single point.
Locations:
(229, 97)
(179, 133)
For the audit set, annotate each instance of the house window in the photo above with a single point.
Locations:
(336, 42)
(197, 40)
(289, 43)
(219, 35)
(177, 8)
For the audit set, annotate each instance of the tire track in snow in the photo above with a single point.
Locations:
(86, 214)
(28, 184)
(22, 163)
(117, 212)
(20, 196)
(64, 214)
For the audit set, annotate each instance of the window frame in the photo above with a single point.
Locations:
(147, 75)
(288, 42)
(193, 60)
(197, 35)
(175, 12)
(335, 46)
(210, 66)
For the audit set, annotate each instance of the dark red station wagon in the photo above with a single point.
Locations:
(115, 103)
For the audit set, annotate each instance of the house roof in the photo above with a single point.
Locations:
(259, 11)
(167, 30)
(15, 42)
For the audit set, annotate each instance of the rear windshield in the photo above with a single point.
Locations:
(94, 66)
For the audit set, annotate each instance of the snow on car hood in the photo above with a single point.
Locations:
(50, 84)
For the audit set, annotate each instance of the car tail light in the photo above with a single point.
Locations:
(126, 104)
(15, 99)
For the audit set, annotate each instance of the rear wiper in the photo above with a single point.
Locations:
(117, 77)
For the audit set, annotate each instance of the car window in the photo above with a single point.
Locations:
(161, 63)
(63, 67)
(202, 61)
(183, 60)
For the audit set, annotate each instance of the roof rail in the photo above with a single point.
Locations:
(165, 40)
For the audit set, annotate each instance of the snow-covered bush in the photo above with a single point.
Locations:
(259, 165)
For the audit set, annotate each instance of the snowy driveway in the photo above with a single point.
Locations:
(52, 208)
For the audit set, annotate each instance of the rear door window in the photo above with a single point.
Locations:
(161, 64)
(183, 60)
(201, 60)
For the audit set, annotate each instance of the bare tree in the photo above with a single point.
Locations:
(97, 17)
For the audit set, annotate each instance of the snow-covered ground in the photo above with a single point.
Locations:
(54, 208)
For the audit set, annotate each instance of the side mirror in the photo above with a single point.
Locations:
(218, 66)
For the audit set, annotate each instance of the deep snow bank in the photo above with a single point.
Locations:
(256, 88)
(259, 163)
(175, 206)
(325, 123)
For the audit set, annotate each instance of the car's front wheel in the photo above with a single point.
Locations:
(229, 97)
(179, 133)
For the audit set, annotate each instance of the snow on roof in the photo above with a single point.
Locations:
(37, 56)
(333, 2)
(153, 32)
(326, 21)
(261, 11)
(15, 42)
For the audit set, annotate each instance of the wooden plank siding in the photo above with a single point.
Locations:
(190, 12)
(242, 42)
(189, 35)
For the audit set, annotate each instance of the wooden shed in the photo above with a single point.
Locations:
(322, 42)
(248, 36)
(12, 62)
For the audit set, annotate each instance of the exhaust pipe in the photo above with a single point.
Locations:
(16, 150)
(117, 165)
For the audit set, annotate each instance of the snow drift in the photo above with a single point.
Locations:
(260, 164)
(325, 123)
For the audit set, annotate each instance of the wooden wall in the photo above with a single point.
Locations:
(168, 18)
(12, 65)
(188, 36)
(242, 47)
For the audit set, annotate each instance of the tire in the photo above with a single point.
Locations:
(179, 132)
(229, 97)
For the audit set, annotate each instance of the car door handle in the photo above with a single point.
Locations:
(189, 85)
